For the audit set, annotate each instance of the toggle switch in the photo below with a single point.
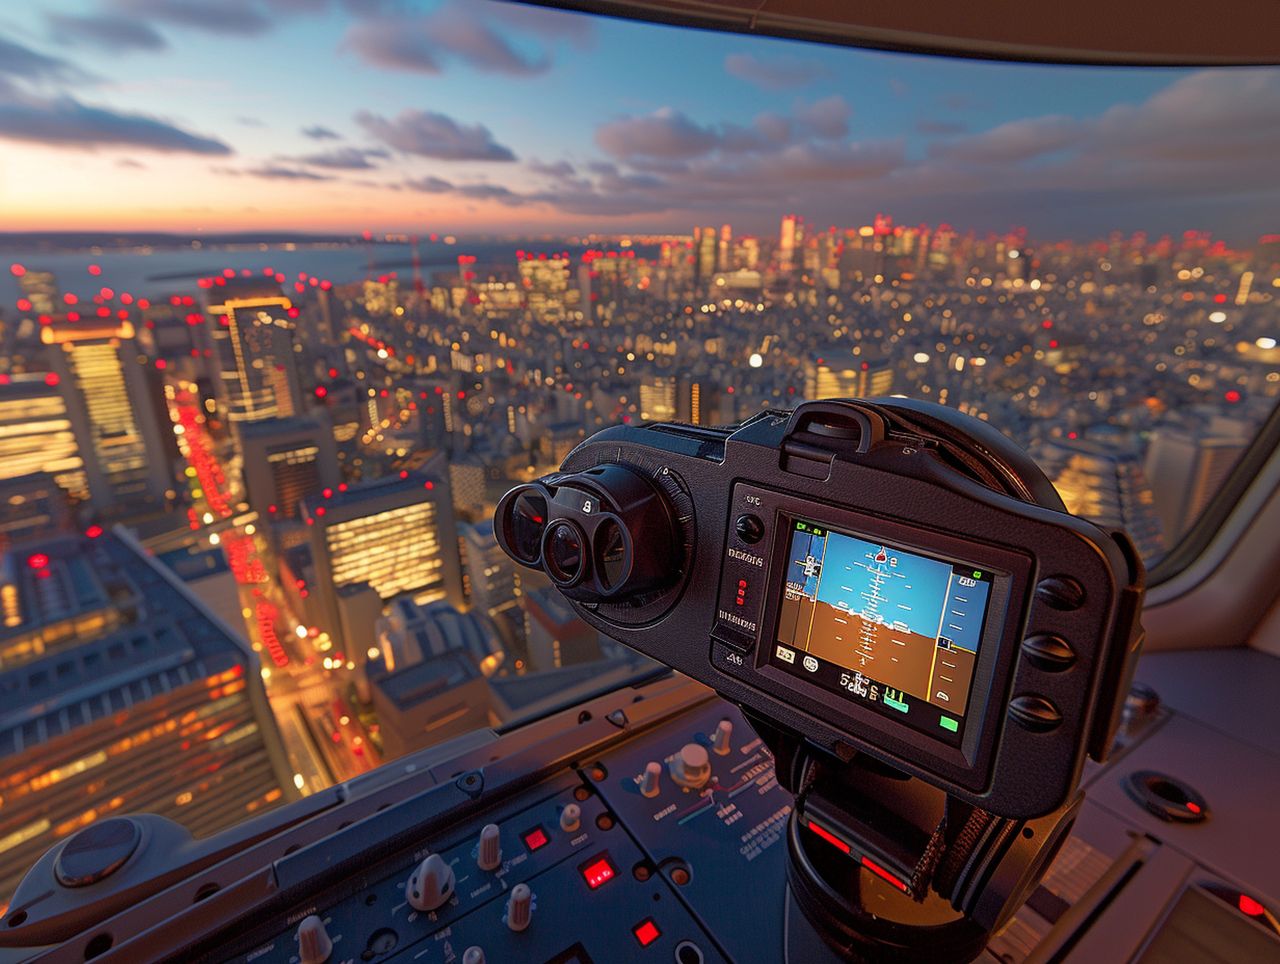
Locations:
(649, 782)
(519, 907)
(722, 737)
(489, 851)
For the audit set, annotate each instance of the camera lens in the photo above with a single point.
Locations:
(524, 524)
(612, 558)
(563, 553)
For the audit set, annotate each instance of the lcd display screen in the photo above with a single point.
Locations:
(887, 628)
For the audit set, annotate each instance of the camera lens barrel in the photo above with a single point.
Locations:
(606, 534)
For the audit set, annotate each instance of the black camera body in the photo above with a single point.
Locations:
(883, 577)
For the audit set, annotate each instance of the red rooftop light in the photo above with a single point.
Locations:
(51, 379)
(38, 560)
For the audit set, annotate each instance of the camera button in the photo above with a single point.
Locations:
(749, 528)
(1048, 652)
(1061, 592)
(1035, 713)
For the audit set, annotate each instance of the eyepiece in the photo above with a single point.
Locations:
(522, 520)
(564, 553)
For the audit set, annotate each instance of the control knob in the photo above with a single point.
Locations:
(489, 852)
(314, 944)
(431, 885)
(570, 818)
(691, 767)
(473, 955)
(649, 782)
(519, 907)
(720, 739)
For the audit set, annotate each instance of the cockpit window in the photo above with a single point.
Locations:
(292, 293)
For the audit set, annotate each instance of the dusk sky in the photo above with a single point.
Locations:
(473, 116)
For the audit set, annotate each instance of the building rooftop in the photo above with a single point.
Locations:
(427, 679)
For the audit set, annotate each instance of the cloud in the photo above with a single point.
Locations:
(22, 63)
(105, 30)
(233, 18)
(65, 122)
(940, 127)
(827, 118)
(273, 172)
(556, 169)
(429, 185)
(492, 37)
(783, 73)
(319, 133)
(472, 192)
(131, 163)
(429, 134)
(664, 133)
(343, 158)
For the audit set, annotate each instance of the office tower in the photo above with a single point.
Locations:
(395, 534)
(36, 434)
(1107, 485)
(253, 340)
(835, 373)
(556, 636)
(658, 398)
(286, 459)
(494, 579)
(1186, 468)
(545, 281)
(697, 400)
(706, 246)
(114, 410)
(122, 695)
(410, 632)
(32, 507)
(789, 238)
(428, 702)
(724, 253)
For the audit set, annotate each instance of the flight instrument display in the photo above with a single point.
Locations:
(886, 627)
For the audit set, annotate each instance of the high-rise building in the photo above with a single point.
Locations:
(494, 579)
(286, 459)
(122, 694)
(36, 434)
(658, 398)
(1186, 468)
(114, 410)
(707, 246)
(396, 534)
(838, 374)
(697, 400)
(1106, 484)
(545, 281)
(41, 289)
(32, 507)
(253, 338)
(556, 636)
(789, 239)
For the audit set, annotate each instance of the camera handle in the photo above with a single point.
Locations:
(886, 868)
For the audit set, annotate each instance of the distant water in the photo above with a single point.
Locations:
(166, 271)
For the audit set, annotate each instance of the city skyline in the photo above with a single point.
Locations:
(499, 118)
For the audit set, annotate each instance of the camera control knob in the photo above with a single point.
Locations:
(430, 885)
(473, 955)
(570, 818)
(691, 767)
(650, 781)
(489, 850)
(314, 944)
(721, 739)
(519, 907)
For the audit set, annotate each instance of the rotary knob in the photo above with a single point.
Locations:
(314, 944)
(519, 907)
(430, 885)
(473, 955)
(489, 851)
(650, 780)
(570, 818)
(691, 767)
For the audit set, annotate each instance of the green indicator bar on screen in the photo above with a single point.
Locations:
(947, 723)
(898, 705)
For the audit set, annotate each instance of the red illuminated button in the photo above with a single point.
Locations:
(598, 871)
(535, 839)
(646, 932)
